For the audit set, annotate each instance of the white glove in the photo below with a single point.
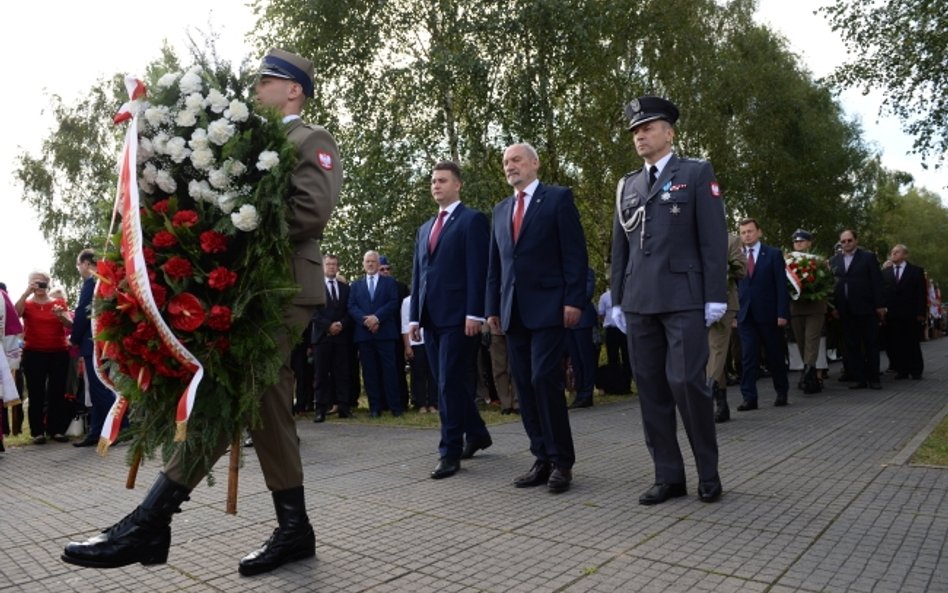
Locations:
(714, 312)
(618, 318)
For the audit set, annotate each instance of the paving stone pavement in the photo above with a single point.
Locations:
(812, 504)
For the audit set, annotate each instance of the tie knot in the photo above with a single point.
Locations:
(521, 195)
(442, 214)
(653, 170)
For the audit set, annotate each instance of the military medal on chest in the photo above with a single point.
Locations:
(675, 210)
(666, 194)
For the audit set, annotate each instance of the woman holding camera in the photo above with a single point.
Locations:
(45, 359)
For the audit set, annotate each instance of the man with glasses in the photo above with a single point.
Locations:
(859, 306)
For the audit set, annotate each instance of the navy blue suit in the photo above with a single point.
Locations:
(764, 297)
(528, 284)
(448, 285)
(377, 351)
(81, 335)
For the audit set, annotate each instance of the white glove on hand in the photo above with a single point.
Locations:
(618, 318)
(714, 312)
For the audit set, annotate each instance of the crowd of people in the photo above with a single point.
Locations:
(502, 310)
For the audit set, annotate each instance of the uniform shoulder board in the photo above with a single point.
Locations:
(632, 173)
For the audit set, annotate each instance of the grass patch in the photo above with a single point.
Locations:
(934, 451)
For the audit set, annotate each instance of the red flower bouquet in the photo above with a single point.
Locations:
(809, 277)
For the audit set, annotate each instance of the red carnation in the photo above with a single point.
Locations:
(811, 279)
(177, 268)
(161, 207)
(213, 242)
(145, 331)
(221, 278)
(219, 318)
(110, 274)
(185, 218)
(164, 239)
(133, 346)
(187, 313)
(149, 254)
(160, 294)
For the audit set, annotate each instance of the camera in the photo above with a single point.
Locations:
(42, 285)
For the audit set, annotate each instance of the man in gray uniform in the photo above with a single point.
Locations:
(669, 279)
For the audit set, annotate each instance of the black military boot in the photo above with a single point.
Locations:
(144, 535)
(292, 540)
(722, 413)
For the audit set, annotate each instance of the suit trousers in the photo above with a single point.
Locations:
(101, 396)
(453, 359)
(861, 336)
(500, 367)
(755, 334)
(903, 342)
(579, 343)
(617, 354)
(275, 440)
(719, 339)
(536, 360)
(806, 320)
(424, 390)
(669, 356)
(380, 374)
(332, 373)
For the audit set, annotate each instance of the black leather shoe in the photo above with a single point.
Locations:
(860, 385)
(581, 403)
(709, 491)
(446, 468)
(659, 493)
(319, 417)
(292, 540)
(538, 474)
(90, 441)
(747, 406)
(471, 447)
(559, 480)
(344, 412)
(780, 401)
(143, 536)
(875, 385)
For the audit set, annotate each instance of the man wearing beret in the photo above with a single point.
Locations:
(669, 280)
(285, 82)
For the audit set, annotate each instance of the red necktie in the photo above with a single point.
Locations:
(518, 216)
(750, 263)
(436, 232)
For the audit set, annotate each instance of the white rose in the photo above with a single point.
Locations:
(235, 168)
(226, 202)
(198, 139)
(220, 131)
(149, 173)
(185, 118)
(158, 142)
(267, 160)
(202, 158)
(177, 149)
(145, 150)
(216, 101)
(194, 102)
(246, 219)
(168, 79)
(157, 116)
(237, 111)
(191, 82)
(219, 178)
(165, 182)
(200, 190)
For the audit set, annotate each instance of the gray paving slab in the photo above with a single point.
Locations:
(813, 504)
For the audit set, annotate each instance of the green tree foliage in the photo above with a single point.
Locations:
(901, 48)
(406, 83)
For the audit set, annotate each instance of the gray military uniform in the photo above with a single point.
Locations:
(669, 258)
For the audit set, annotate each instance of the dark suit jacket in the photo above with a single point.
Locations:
(385, 306)
(589, 317)
(449, 284)
(545, 269)
(764, 296)
(863, 279)
(81, 334)
(330, 314)
(906, 299)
